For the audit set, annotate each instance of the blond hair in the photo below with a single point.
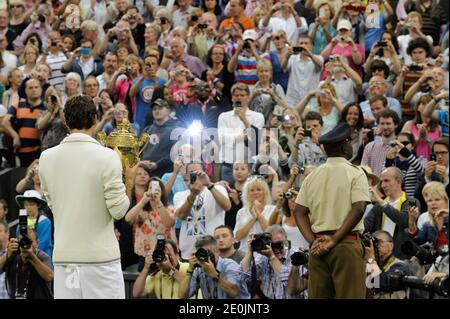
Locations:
(436, 189)
(255, 181)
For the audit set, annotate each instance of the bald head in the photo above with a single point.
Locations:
(391, 180)
(177, 46)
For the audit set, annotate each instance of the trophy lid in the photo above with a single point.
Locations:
(123, 136)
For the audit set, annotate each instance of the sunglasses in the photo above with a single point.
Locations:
(405, 143)
(277, 245)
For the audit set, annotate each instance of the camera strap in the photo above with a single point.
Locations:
(255, 284)
(161, 285)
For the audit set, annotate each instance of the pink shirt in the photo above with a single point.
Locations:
(122, 87)
(423, 147)
(347, 52)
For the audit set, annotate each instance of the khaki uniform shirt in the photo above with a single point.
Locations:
(329, 192)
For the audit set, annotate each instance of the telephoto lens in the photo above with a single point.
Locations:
(299, 258)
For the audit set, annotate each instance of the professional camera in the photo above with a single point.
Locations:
(193, 177)
(261, 241)
(246, 45)
(382, 44)
(398, 280)
(366, 238)
(300, 258)
(204, 255)
(424, 253)
(158, 254)
(25, 241)
(297, 50)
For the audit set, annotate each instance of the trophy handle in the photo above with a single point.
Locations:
(143, 142)
(101, 137)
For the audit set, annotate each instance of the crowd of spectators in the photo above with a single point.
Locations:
(234, 95)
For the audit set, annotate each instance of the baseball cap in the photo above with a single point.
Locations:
(250, 35)
(344, 24)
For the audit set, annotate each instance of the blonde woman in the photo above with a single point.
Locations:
(325, 102)
(28, 59)
(287, 124)
(72, 86)
(253, 217)
(431, 226)
(266, 94)
(11, 96)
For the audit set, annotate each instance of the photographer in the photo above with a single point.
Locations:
(282, 16)
(308, 150)
(298, 276)
(392, 213)
(83, 61)
(55, 58)
(201, 208)
(216, 277)
(245, 59)
(161, 278)
(51, 123)
(381, 269)
(439, 270)
(304, 70)
(413, 24)
(28, 270)
(143, 88)
(267, 272)
(122, 33)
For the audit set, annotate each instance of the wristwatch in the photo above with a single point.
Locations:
(211, 186)
(272, 257)
(371, 260)
(171, 272)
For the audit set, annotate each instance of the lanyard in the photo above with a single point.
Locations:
(171, 288)
(398, 207)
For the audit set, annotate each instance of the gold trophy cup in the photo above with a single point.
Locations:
(126, 143)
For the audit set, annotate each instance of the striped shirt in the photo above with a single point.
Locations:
(410, 79)
(246, 68)
(23, 120)
(56, 62)
(374, 156)
(272, 285)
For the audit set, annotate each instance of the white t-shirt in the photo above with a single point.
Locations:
(205, 215)
(423, 218)
(296, 237)
(304, 76)
(56, 62)
(243, 216)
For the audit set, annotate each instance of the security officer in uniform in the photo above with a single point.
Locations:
(329, 212)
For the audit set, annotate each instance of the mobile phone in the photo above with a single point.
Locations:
(307, 133)
(85, 51)
(154, 186)
(163, 20)
(332, 58)
(237, 104)
(322, 12)
(202, 26)
(412, 202)
(194, 18)
(382, 44)
(53, 99)
(297, 50)
(433, 157)
(246, 45)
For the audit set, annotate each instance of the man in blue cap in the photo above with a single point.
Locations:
(329, 212)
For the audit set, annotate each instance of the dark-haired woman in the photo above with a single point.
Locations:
(353, 116)
(217, 73)
(402, 156)
(424, 130)
(152, 216)
(386, 50)
(213, 7)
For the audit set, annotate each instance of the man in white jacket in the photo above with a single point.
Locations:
(82, 182)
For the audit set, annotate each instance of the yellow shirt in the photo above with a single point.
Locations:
(329, 192)
(164, 284)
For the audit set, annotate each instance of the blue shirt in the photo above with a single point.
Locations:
(393, 104)
(443, 121)
(229, 270)
(143, 99)
(280, 76)
(320, 41)
(373, 34)
(178, 186)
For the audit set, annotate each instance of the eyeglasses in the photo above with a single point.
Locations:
(376, 83)
(441, 153)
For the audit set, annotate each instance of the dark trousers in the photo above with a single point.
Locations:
(27, 158)
(340, 274)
